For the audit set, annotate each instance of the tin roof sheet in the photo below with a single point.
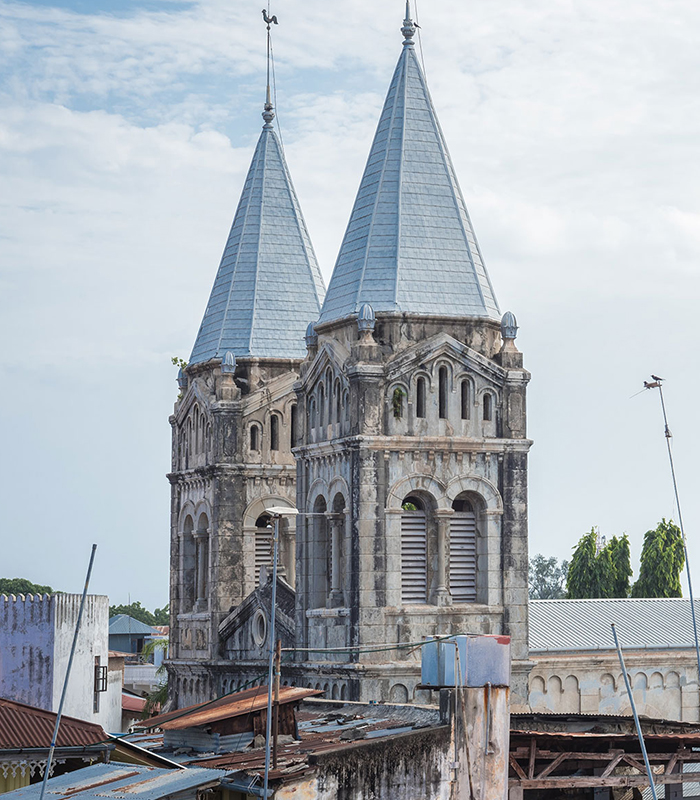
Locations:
(231, 705)
(121, 781)
(22, 725)
(269, 286)
(410, 245)
(124, 624)
(641, 623)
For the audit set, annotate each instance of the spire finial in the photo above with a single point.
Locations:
(268, 114)
(409, 28)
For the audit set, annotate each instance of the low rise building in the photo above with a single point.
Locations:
(36, 635)
(576, 667)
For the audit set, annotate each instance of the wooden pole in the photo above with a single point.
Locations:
(276, 704)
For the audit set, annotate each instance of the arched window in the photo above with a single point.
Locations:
(320, 555)
(465, 399)
(463, 552)
(414, 551)
(321, 406)
(338, 411)
(488, 407)
(293, 426)
(263, 544)
(346, 405)
(254, 438)
(442, 392)
(420, 397)
(189, 565)
(274, 432)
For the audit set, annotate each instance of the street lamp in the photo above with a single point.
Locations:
(276, 512)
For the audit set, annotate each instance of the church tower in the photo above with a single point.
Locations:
(234, 421)
(411, 449)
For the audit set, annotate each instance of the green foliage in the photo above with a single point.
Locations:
(162, 615)
(23, 586)
(135, 610)
(663, 558)
(178, 362)
(547, 578)
(622, 568)
(409, 507)
(397, 402)
(156, 699)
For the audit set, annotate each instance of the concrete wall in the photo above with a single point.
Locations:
(36, 634)
(664, 683)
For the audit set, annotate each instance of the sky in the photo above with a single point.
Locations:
(126, 130)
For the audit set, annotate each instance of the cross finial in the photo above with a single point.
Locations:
(409, 28)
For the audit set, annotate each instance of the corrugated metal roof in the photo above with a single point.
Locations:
(570, 625)
(23, 725)
(231, 705)
(269, 286)
(410, 246)
(124, 624)
(121, 781)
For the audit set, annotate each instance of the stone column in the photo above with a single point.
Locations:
(335, 522)
(442, 595)
(200, 538)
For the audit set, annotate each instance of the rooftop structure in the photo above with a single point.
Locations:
(269, 285)
(123, 624)
(23, 726)
(410, 246)
(642, 623)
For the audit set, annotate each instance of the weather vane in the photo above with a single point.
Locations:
(269, 20)
(268, 113)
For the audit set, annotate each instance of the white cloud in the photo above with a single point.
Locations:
(123, 145)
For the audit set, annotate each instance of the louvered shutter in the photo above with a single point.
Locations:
(414, 582)
(463, 557)
(263, 555)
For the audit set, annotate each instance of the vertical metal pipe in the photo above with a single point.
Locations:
(270, 672)
(54, 738)
(640, 736)
(667, 434)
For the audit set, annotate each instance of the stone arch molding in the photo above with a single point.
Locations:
(188, 509)
(445, 494)
(477, 485)
(319, 488)
(260, 505)
(338, 486)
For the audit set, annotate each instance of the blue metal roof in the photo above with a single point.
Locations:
(269, 285)
(409, 246)
(101, 781)
(582, 625)
(124, 624)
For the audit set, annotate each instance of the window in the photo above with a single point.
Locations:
(321, 406)
(442, 392)
(465, 398)
(312, 414)
(293, 426)
(414, 552)
(274, 432)
(463, 552)
(420, 397)
(254, 437)
(338, 413)
(488, 407)
(263, 544)
(100, 684)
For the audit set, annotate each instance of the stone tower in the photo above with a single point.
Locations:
(411, 449)
(235, 418)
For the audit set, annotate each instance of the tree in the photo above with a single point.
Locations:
(162, 615)
(156, 699)
(547, 578)
(622, 568)
(23, 586)
(663, 558)
(135, 610)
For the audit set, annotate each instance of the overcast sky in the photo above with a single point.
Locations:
(126, 129)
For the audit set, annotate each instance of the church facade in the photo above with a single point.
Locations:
(390, 411)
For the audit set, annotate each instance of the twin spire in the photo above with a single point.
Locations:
(409, 246)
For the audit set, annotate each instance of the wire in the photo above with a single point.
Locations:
(375, 649)
(420, 40)
(274, 93)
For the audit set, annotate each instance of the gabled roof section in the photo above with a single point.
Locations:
(122, 624)
(409, 246)
(269, 286)
(25, 726)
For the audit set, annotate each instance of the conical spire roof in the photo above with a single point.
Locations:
(269, 284)
(409, 246)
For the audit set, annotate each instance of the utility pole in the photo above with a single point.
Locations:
(276, 703)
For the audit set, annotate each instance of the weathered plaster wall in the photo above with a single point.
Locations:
(664, 683)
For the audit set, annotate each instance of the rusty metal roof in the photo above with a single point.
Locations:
(231, 705)
(328, 729)
(122, 780)
(22, 725)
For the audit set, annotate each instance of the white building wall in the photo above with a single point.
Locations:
(36, 634)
